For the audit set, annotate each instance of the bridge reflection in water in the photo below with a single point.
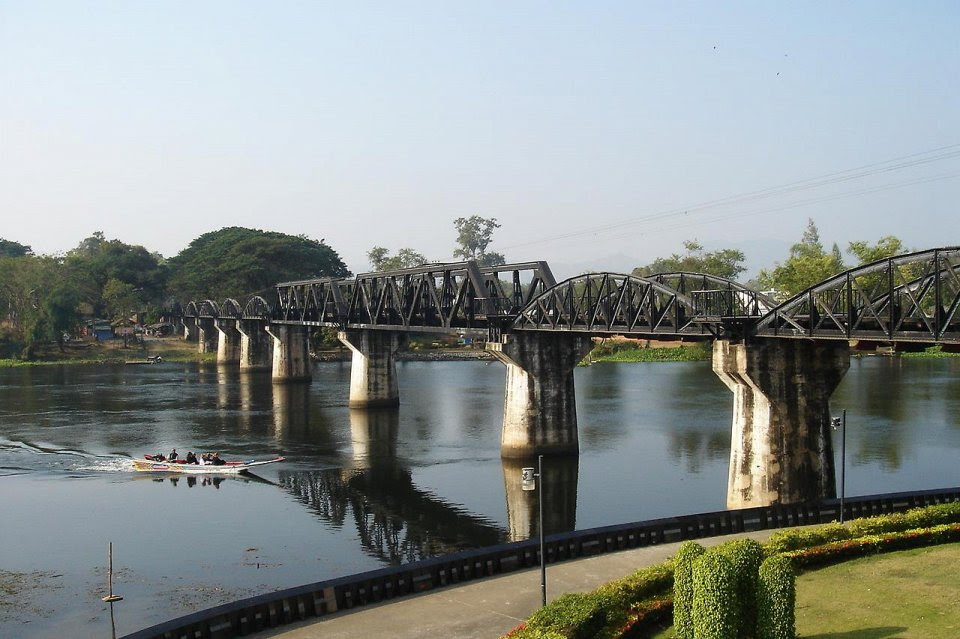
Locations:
(397, 521)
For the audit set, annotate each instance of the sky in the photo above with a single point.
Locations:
(600, 135)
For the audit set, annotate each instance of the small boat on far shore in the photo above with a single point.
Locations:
(154, 359)
(150, 464)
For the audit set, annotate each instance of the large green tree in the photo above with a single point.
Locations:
(238, 262)
(726, 263)
(381, 260)
(97, 261)
(474, 235)
(808, 264)
(9, 248)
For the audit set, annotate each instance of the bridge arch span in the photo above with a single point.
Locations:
(257, 308)
(913, 297)
(209, 308)
(191, 310)
(230, 309)
(611, 303)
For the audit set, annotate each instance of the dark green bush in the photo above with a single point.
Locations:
(598, 613)
(688, 552)
(909, 520)
(746, 556)
(797, 538)
(775, 599)
(715, 605)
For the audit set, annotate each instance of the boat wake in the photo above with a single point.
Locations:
(22, 457)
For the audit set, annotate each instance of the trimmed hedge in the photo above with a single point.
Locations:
(716, 605)
(776, 597)
(600, 613)
(617, 608)
(849, 548)
(688, 552)
(746, 556)
(796, 539)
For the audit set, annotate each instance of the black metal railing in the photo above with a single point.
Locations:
(309, 601)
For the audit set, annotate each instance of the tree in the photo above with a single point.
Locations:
(381, 260)
(474, 235)
(807, 265)
(238, 262)
(9, 248)
(727, 263)
(885, 247)
(97, 260)
(121, 299)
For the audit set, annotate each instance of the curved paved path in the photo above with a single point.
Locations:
(487, 608)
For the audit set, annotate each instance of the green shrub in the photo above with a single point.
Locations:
(715, 604)
(775, 599)
(597, 613)
(688, 552)
(746, 556)
(909, 520)
(886, 542)
(796, 538)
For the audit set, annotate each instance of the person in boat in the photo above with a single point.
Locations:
(191, 458)
(206, 458)
(173, 455)
(157, 458)
(216, 461)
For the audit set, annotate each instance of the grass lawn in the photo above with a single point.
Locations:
(911, 594)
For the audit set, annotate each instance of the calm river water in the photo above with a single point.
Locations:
(363, 489)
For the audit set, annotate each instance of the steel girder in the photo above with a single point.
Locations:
(432, 296)
(612, 304)
(716, 299)
(907, 298)
(319, 302)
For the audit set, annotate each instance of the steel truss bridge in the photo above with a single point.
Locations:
(911, 298)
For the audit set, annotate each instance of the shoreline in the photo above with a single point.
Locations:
(184, 352)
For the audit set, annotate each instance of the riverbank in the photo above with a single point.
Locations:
(173, 349)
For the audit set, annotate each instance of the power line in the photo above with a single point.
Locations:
(886, 166)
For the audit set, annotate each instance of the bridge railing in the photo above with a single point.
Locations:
(326, 597)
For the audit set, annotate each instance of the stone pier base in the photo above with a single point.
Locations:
(781, 449)
(291, 354)
(228, 344)
(373, 370)
(256, 346)
(207, 335)
(539, 408)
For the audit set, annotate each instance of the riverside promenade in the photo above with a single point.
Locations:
(487, 608)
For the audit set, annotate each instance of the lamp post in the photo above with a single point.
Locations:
(841, 423)
(530, 483)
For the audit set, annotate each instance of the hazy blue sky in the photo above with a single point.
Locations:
(592, 130)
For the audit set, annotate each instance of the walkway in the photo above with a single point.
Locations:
(487, 608)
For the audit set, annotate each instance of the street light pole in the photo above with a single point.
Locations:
(843, 461)
(543, 556)
(529, 482)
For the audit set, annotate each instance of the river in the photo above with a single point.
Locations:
(361, 489)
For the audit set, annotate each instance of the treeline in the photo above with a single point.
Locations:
(807, 264)
(43, 298)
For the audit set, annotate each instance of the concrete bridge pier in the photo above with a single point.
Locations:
(190, 329)
(373, 370)
(228, 344)
(781, 449)
(291, 353)
(256, 346)
(206, 335)
(539, 408)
